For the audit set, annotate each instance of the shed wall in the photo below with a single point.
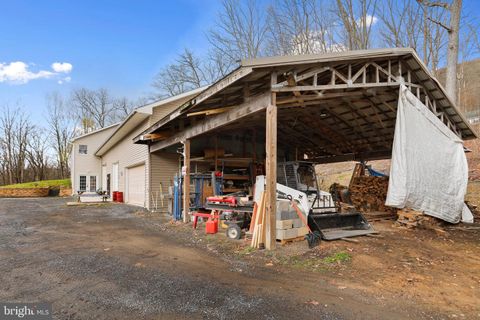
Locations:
(163, 168)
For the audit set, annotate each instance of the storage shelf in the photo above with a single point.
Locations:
(235, 177)
(230, 190)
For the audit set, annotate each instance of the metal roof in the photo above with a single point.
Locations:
(352, 94)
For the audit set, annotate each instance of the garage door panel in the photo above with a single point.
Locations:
(136, 185)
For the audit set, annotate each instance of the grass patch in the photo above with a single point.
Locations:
(41, 184)
(316, 263)
(246, 251)
(337, 257)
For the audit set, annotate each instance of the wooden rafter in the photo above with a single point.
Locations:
(318, 83)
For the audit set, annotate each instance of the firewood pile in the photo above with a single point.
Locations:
(368, 194)
(415, 219)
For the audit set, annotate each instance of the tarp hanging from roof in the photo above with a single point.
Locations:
(429, 170)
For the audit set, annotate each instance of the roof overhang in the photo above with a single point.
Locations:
(138, 116)
(125, 127)
(95, 132)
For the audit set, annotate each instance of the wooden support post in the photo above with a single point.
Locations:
(186, 180)
(271, 170)
(254, 145)
(216, 153)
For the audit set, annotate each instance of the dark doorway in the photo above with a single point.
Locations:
(108, 184)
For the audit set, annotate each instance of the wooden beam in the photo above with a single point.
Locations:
(209, 111)
(338, 86)
(372, 155)
(186, 180)
(223, 83)
(317, 97)
(304, 76)
(157, 135)
(271, 169)
(251, 105)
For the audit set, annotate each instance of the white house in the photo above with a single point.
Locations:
(108, 159)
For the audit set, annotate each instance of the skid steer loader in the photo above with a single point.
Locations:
(297, 180)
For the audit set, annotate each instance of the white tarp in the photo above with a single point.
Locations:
(429, 170)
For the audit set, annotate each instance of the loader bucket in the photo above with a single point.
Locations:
(334, 226)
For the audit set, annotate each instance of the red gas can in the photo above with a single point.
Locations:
(211, 227)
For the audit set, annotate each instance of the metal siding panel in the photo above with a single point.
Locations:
(163, 167)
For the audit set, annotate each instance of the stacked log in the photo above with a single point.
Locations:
(368, 194)
(415, 219)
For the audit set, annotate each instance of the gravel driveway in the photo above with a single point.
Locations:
(107, 262)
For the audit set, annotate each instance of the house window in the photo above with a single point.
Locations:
(83, 183)
(93, 183)
(82, 149)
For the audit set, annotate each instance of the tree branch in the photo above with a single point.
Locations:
(435, 4)
(440, 24)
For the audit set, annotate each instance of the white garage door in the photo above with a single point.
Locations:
(136, 185)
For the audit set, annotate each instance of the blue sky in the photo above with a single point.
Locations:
(119, 45)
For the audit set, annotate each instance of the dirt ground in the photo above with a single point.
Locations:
(113, 262)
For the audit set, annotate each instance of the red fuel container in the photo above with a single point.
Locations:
(114, 196)
(211, 227)
(119, 196)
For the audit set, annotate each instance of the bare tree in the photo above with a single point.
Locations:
(468, 46)
(216, 66)
(62, 129)
(239, 33)
(15, 131)
(187, 73)
(123, 107)
(357, 18)
(402, 23)
(453, 29)
(408, 23)
(452, 51)
(301, 27)
(94, 108)
(37, 151)
(240, 30)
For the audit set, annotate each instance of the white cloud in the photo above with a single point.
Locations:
(64, 80)
(64, 67)
(370, 20)
(19, 72)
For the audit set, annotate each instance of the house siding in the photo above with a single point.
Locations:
(127, 155)
(159, 168)
(160, 112)
(88, 164)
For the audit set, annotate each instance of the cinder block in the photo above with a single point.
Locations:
(301, 231)
(297, 223)
(285, 215)
(286, 234)
(283, 205)
(291, 233)
(284, 224)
